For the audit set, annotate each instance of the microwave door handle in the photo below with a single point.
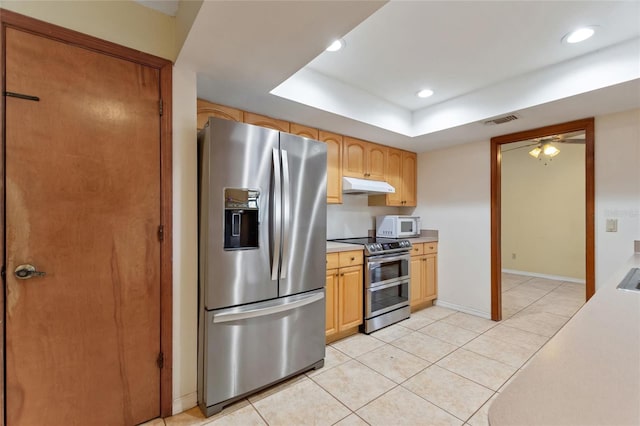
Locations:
(286, 213)
(277, 213)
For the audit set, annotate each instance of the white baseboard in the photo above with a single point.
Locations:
(549, 277)
(464, 309)
(184, 403)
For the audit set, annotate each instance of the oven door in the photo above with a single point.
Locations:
(386, 269)
(386, 298)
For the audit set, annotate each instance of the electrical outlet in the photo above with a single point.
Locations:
(612, 225)
(513, 256)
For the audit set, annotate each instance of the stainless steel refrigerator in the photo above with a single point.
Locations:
(262, 244)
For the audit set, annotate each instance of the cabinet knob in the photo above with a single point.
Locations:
(353, 258)
(342, 274)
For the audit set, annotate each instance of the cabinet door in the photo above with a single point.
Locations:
(350, 297)
(409, 178)
(353, 161)
(206, 109)
(304, 131)
(331, 295)
(394, 177)
(268, 122)
(431, 277)
(416, 278)
(334, 166)
(376, 156)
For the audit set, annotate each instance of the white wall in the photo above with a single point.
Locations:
(453, 197)
(185, 247)
(543, 212)
(354, 218)
(617, 189)
(123, 22)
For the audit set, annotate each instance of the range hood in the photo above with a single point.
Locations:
(352, 185)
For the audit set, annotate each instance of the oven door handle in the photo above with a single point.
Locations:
(384, 259)
(382, 287)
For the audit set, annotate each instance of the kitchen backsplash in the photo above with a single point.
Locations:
(354, 217)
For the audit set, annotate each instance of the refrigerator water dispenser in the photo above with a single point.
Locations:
(241, 218)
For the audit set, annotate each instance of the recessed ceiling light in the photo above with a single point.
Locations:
(336, 45)
(581, 34)
(425, 93)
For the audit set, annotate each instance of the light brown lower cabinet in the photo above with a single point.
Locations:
(343, 294)
(424, 275)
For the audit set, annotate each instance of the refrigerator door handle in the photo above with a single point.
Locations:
(277, 212)
(238, 314)
(286, 193)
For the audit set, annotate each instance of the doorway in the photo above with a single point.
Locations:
(86, 253)
(576, 127)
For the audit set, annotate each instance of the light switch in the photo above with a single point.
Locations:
(612, 225)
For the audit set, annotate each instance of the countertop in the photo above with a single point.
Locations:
(588, 373)
(333, 247)
(418, 240)
(428, 236)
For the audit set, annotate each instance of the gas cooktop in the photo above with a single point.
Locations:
(374, 246)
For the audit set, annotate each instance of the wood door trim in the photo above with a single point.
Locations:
(10, 19)
(587, 125)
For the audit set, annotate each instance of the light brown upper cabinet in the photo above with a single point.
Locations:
(401, 174)
(334, 166)
(304, 131)
(409, 178)
(207, 109)
(363, 160)
(264, 121)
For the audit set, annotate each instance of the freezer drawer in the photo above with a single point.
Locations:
(252, 346)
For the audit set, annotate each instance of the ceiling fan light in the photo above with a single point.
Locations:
(551, 150)
(535, 152)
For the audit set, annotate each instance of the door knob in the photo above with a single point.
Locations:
(24, 272)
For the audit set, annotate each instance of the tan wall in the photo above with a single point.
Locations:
(123, 22)
(543, 212)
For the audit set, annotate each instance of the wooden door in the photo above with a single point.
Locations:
(334, 166)
(376, 161)
(409, 178)
(83, 205)
(350, 297)
(353, 158)
(331, 295)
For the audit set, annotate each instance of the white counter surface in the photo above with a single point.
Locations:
(588, 373)
(418, 240)
(333, 247)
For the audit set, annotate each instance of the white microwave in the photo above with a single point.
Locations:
(397, 226)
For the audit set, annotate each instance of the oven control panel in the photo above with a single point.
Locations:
(388, 247)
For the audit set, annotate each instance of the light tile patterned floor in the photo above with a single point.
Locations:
(440, 367)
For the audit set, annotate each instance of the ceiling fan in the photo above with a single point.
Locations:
(544, 147)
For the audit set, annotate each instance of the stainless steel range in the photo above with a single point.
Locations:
(386, 280)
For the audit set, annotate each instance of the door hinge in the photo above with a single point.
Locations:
(161, 233)
(161, 106)
(160, 360)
